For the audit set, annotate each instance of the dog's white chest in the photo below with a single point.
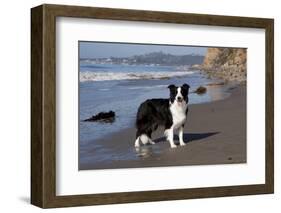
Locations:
(178, 114)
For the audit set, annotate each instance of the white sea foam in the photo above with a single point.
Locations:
(148, 87)
(107, 76)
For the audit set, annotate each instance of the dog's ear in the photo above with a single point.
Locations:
(172, 86)
(186, 87)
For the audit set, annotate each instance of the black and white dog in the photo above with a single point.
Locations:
(170, 113)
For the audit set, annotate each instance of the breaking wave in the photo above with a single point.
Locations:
(109, 76)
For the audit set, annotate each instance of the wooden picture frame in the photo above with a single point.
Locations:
(43, 105)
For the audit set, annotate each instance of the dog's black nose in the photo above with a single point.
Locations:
(179, 98)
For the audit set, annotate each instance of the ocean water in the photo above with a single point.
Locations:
(122, 88)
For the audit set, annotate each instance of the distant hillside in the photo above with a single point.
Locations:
(168, 59)
(154, 58)
(226, 63)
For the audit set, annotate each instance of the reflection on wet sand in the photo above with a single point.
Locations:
(217, 92)
(144, 151)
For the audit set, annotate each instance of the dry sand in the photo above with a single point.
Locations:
(215, 133)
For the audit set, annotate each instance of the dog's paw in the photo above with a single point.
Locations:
(173, 146)
(182, 143)
(137, 143)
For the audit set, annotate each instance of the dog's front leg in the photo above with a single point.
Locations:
(170, 137)
(182, 143)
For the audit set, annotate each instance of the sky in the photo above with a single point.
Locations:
(105, 50)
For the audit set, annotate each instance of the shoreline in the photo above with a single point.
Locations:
(217, 137)
(126, 96)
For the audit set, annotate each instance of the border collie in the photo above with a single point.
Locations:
(170, 113)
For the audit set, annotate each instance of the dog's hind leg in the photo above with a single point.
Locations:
(137, 142)
(144, 139)
(150, 141)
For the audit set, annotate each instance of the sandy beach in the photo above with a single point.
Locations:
(215, 133)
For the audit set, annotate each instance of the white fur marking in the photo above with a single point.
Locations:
(178, 111)
(182, 143)
(179, 95)
(137, 142)
(144, 139)
(170, 137)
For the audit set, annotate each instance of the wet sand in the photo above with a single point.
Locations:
(215, 133)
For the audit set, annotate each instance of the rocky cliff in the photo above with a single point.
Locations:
(226, 63)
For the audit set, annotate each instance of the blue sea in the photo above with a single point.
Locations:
(122, 88)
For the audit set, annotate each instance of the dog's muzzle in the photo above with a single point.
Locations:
(179, 99)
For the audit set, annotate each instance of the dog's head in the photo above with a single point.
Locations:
(179, 94)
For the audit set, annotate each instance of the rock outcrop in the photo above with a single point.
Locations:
(107, 117)
(229, 64)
